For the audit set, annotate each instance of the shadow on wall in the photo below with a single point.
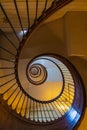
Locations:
(81, 66)
(47, 38)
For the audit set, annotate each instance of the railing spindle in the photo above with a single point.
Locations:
(7, 50)
(7, 75)
(7, 82)
(28, 16)
(19, 18)
(6, 67)
(10, 87)
(8, 39)
(9, 22)
(4, 59)
(45, 5)
(36, 10)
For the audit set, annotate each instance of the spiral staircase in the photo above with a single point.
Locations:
(45, 91)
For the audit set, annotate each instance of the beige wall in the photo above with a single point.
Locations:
(83, 125)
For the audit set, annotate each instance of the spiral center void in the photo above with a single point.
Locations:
(36, 74)
(34, 71)
(41, 78)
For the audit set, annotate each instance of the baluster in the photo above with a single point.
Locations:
(9, 21)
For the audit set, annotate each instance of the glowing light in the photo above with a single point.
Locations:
(22, 32)
(73, 115)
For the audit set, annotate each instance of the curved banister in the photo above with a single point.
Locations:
(20, 103)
